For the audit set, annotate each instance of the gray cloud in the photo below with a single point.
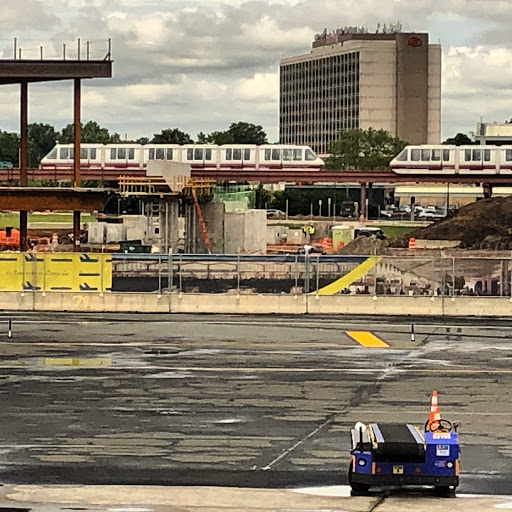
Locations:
(200, 64)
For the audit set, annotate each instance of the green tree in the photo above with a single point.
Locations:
(9, 147)
(172, 136)
(461, 139)
(91, 132)
(220, 138)
(202, 138)
(363, 149)
(237, 133)
(247, 133)
(41, 140)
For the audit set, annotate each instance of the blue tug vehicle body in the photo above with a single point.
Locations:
(400, 454)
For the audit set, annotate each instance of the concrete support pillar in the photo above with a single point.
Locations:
(504, 279)
(189, 228)
(173, 224)
(362, 202)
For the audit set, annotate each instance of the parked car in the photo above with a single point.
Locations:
(274, 214)
(431, 215)
(376, 232)
(311, 249)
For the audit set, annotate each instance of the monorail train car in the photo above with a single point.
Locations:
(464, 160)
(126, 157)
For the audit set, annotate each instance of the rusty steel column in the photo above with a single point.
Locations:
(362, 206)
(76, 160)
(76, 231)
(23, 161)
(76, 132)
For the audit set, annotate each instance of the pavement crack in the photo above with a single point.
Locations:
(286, 452)
(379, 502)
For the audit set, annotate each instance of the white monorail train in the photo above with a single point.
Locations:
(199, 156)
(439, 159)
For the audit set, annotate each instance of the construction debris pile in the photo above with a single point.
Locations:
(365, 245)
(486, 224)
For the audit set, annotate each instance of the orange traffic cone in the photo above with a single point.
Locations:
(434, 415)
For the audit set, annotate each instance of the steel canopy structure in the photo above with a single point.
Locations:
(25, 71)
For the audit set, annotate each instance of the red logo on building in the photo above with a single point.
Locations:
(415, 41)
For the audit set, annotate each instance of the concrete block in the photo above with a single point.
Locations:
(115, 233)
(96, 232)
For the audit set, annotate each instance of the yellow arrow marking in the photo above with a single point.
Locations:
(367, 339)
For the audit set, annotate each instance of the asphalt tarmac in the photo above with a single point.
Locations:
(240, 401)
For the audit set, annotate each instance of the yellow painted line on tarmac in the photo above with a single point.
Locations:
(77, 361)
(367, 339)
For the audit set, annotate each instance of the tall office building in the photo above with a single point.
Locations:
(356, 79)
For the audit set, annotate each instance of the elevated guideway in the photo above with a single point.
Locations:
(264, 176)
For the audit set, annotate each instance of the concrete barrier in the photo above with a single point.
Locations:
(17, 301)
(368, 305)
(256, 304)
(246, 304)
(478, 306)
(107, 302)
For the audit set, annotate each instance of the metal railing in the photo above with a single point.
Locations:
(23, 49)
(290, 274)
(299, 274)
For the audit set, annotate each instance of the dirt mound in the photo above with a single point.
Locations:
(486, 224)
(365, 245)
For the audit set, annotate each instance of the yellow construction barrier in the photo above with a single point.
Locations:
(348, 279)
(72, 272)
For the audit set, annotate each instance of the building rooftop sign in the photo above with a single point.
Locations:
(332, 37)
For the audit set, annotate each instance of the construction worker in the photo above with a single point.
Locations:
(308, 231)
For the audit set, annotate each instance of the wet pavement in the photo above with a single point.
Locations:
(240, 401)
(18, 498)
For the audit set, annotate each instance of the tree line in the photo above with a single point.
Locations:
(43, 137)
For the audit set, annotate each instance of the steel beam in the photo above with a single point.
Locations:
(40, 199)
(27, 70)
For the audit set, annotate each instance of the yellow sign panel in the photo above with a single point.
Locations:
(55, 272)
(11, 270)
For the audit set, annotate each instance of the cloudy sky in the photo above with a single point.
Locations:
(201, 64)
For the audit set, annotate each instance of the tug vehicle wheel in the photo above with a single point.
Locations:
(445, 491)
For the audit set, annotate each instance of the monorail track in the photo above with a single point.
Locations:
(11, 176)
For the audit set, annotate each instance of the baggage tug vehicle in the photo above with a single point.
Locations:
(400, 454)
